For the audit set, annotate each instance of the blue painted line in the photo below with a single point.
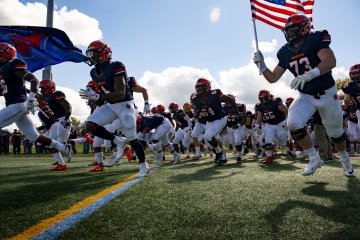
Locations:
(60, 227)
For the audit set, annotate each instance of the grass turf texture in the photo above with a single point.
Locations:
(193, 200)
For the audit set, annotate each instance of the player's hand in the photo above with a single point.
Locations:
(89, 94)
(259, 61)
(30, 105)
(147, 108)
(299, 81)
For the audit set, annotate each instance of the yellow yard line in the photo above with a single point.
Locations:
(45, 224)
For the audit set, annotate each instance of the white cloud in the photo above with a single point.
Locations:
(215, 15)
(80, 28)
(266, 47)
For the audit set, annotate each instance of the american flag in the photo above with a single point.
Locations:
(276, 12)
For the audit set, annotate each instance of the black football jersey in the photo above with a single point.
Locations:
(271, 113)
(233, 118)
(208, 105)
(304, 58)
(105, 78)
(354, 91)
(149, 122)
(53, 102)
(13, 87)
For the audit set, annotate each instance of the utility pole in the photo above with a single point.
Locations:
(46, 73)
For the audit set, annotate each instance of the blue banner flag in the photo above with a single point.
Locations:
(41, 46)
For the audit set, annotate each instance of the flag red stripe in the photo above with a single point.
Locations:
(273, 9)
(267, 21)
(297, 7)
(280, 19)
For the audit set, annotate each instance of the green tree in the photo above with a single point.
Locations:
(75, 122)
(341, 82)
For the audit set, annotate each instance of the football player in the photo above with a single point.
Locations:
(207, 103)
(308, 56)
(13, 74)
(60, 110)
(273, 113)
(119, 101)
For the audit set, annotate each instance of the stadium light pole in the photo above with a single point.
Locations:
(46, 73)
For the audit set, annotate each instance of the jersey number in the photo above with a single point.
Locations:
(301, 61)
(268, 115)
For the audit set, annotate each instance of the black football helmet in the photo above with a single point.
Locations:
(264, 96)
(297, 27)
(355, 73)
(202, 85)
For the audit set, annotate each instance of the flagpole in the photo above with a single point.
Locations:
(46, 73)
(256, 42)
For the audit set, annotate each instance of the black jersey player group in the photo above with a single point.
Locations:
(211, 117)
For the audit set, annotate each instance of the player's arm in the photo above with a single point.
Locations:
(327, 60)
(29, 77)
(226, 99)
(119, 90)
(347, 100)
(275, 75)
(143, 91)
(259, 118)
(67, 106)
(284, 109)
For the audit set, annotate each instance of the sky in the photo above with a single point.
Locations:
(168, 44)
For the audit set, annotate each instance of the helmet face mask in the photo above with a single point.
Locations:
(296, 28)
(47, 87)
(202, 85)
(355, 73)
(173, 107)
(98, 52)
(264, 96)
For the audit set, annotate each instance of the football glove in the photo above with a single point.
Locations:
(299, 81)
(89, 94)
(30, 106)
(259, 61)
(147, 108)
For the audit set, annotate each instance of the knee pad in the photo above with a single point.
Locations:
(298, 134)
(340, 139)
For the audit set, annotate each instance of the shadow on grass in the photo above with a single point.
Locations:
(344, 210)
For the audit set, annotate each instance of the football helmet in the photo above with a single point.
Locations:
(98, 52)
(47, 87)
(160, 108)
(355, 73)
(288, 101)
(241, 106)
(173, 107)
(153, 110)
(264, 96)
(202, 85)
(187, 107)
(297, 26)
(7, 52)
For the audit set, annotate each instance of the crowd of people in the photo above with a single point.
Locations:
(208, 123)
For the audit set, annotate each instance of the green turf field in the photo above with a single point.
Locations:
(193, 200)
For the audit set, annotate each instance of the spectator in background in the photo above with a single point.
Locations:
(16, 141)
(73, 135)
(4, 141)
(27, 146)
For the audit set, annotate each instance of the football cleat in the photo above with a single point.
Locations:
(176, 159)
(59, 167)
(238, 160)
(112, 162)
(97, 168)
(346, 165)
(144, 169)
(313, 165)
(268, 160)
(218, 157)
